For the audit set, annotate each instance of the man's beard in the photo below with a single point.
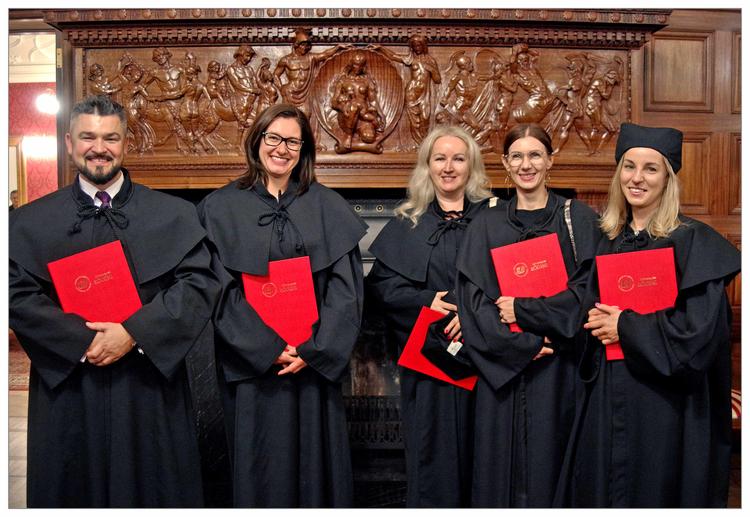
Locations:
(98, 179)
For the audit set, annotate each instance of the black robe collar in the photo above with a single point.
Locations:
(407, 250)
(541, 225)
(499, 226)
(241, 223)
(157, 230)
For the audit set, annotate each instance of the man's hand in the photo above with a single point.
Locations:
(111, 342)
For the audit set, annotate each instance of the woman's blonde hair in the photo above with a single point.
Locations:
(664, 221)
(421, 191)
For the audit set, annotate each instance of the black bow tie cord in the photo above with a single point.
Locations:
(279, 217)
(633, 242)
(116, 218)
(444, 226)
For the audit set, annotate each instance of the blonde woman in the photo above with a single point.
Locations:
(526, 396)
(415, 267)
(656, 427)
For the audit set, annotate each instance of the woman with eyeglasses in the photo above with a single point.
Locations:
(655, 427)
(526, 393)
(415, 268)
(283, 405)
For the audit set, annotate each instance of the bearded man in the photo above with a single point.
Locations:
(110, 414)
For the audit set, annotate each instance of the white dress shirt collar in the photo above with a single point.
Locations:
(90, 189)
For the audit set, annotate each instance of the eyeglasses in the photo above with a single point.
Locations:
(274, 140)
(516, 158)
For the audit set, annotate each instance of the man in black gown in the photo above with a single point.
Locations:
(110, 416)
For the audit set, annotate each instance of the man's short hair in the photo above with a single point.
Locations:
(101, 105)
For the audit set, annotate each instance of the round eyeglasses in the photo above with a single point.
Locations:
(273, 140)
(516, 158)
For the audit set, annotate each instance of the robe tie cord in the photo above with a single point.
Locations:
(279, 217)
(531, 233)
(633, 242)
(444, 226)
(116, 218)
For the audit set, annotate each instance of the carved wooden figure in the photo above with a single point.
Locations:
(242, 80)
(418, 92)
(493, 105)
(141, 135)
(457, 100)
(602, 110)
(269, 92)
(354, 97)
(541, 99)
(300, 67)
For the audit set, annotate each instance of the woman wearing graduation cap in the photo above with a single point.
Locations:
(525, 396)
(283, 405)
(415, 268)
(655, 426)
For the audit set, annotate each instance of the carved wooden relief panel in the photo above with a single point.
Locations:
(356, 97)
(372, 90)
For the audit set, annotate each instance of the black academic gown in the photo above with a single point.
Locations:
(412, 265)
(121, 435)
(655, 428)
(524, 408)
(287, 433)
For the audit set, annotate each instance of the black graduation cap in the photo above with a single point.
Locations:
(666, 140)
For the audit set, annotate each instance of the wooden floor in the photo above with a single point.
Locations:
(17, 411)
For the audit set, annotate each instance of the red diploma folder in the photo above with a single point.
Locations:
(643, 281)
(96, 284)
(285, 298)
(412, 357)
(530, 269)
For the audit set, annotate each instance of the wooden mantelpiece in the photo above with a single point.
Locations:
(569, 70)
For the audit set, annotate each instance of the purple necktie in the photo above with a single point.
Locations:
(104, 198)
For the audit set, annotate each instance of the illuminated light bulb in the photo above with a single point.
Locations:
(47, 103)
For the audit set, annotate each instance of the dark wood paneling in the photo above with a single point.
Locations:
(734, 290)
(735, 174)
(675, 82)
(736, 72)
(696, 185)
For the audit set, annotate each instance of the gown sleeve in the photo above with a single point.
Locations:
(54, 341)
(254, 344)
(682, 341)
(166, 327)
(561, 316)
(498, 353)
(340, 316)
(558, 317)
(401, 297)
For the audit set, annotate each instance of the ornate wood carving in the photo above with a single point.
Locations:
(372, 89)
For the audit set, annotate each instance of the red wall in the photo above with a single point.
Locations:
(25, 120)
